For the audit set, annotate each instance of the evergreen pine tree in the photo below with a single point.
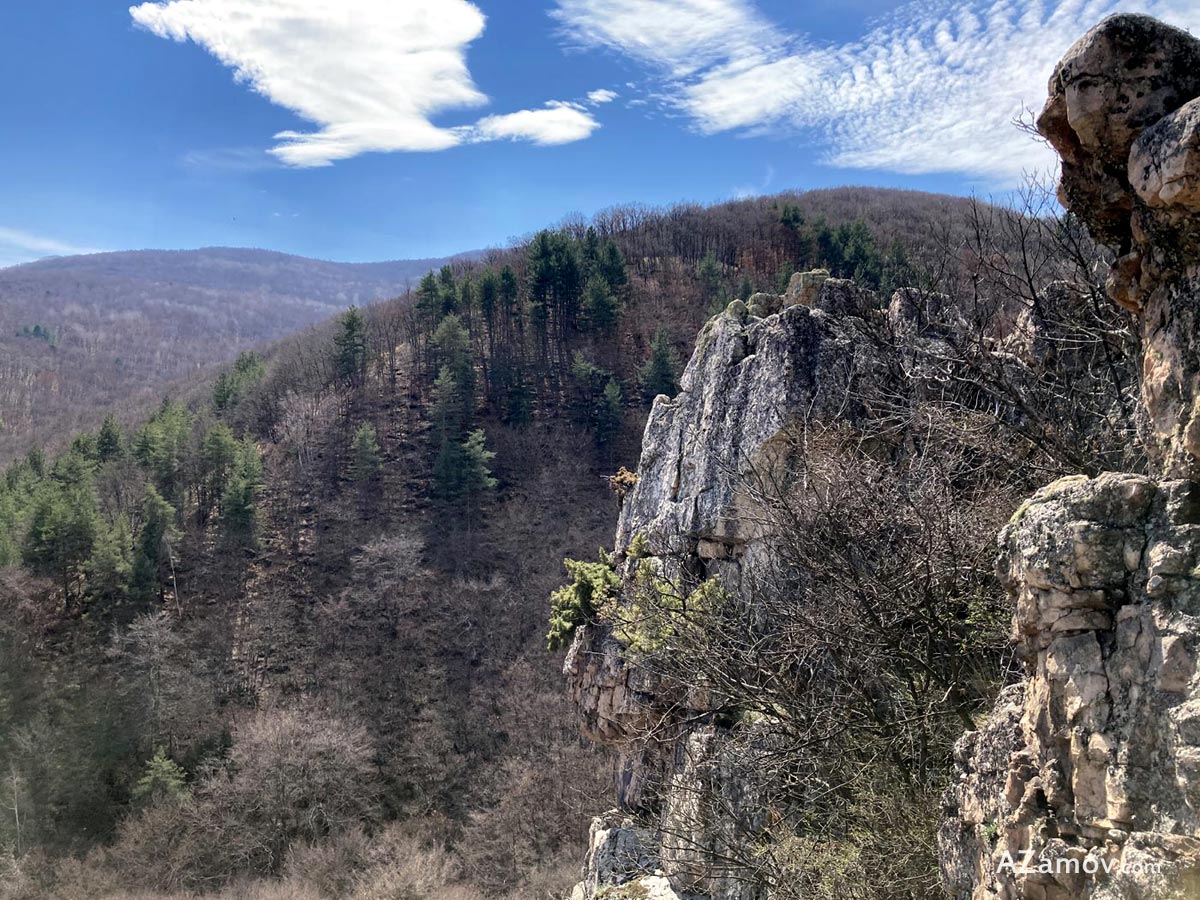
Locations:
(452, 348)
(110, 566)
(162, 782)
(510, 292)
(35, 459)
(223, 392)
(350, 356)
(365, 464)
(86, 448)
(9, 552)
(612, 266)
(454, 389)
(463, 469)
(447, 291)
(610, 413)
(466, 299)
(218, 456)
(231, 386)
(429, 300)
(62, 532)
(109, 442)
(163, 448)
(599, 305)
(449, 409)
(477, 477)
(660, 373)
(489, 289)
(448, 469)
(153, 546)
(239, 502)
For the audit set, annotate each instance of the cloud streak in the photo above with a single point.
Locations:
(934, 88)
(17, 246)
(371, 75)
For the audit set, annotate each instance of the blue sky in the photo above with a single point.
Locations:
(375, 129)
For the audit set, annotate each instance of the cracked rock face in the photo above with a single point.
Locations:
(1094, 759)
(1085, 781)
(748, 380)
(758, 370)
(1124, 115)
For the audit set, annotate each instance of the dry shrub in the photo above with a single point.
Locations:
(403, 866)
(292, 778)
(549, 881)
(332, 867)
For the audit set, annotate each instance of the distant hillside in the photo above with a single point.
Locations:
(82, 333)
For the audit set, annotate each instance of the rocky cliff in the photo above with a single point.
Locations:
(1085, 782)
(758, 369)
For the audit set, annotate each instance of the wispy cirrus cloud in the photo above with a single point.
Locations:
(230, 159)
(372, 75)
(18, 246)
(933, 88)
(685, 37)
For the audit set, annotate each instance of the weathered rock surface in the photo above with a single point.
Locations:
(1115, 82)
(619, 853)
(1095, 755)
(1085, 782)
(750, 379)
(1093, 760)
(1124, 115)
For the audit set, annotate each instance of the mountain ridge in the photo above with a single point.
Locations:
(219, 250)
(78, 333)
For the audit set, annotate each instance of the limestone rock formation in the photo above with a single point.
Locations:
(1085, 782)
(1124, 115)
(750, 379)
(805, 287)
(1090, 768)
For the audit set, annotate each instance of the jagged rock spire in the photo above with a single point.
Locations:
(1124, 116)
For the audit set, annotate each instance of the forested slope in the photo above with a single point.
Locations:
(109, 331)
(291, 628)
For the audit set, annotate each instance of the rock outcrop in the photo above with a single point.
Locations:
(758, 370)
(1124, 115)
(825, 352)
(1085, 782)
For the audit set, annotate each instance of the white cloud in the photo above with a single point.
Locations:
(557, 123)
(370, 74)
(602, 96)
(935, 88)
(17, 246)
(684, 36)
